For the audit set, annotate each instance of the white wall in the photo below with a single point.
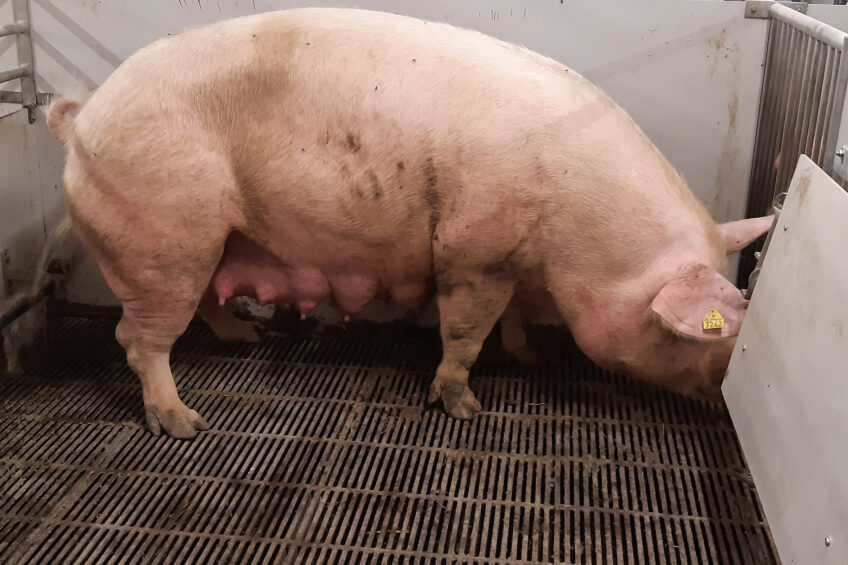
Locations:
(688, 72)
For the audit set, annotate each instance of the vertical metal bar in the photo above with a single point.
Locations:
(836, 115)
(831, 96)
(826, 92)
(805, 78)
(808, 145)
(20, 11)
(801, 119)
(768, 110)
(765, 119)
(768, 133)
(768, 122)
(796, 80)
(791, 119)
(786, 118)
(800, 78)
(782, 78)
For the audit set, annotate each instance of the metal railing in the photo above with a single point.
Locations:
(27, 97)
(804, 82)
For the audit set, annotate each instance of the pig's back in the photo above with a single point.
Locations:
(358, 123)
(336, 115)
(366, 81)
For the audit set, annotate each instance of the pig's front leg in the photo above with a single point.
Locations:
(469, 306)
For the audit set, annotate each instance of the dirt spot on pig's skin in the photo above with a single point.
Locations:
(430, 182)
(375, 184)
(431, 194)
(249, 82)
(353, 143)
(357, 192)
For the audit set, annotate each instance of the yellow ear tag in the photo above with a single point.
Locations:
(713, 320)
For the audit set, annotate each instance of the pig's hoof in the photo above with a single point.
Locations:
(181, 422)
(457, 398)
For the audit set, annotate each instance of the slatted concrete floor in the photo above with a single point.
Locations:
(321, 451)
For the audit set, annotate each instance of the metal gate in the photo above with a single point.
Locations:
(800, 106)
(25, 71)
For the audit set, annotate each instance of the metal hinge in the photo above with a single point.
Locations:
(759, 9)
(840, 166)
(777, 206)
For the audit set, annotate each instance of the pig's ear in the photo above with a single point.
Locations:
(700, 304)
(738, 234)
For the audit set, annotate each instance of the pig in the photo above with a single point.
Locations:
(313, 154)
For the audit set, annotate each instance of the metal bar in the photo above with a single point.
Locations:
(795, 67)
(801, 119)
(826, 93)
(774, 150)
(14, 97)
(838, 104)
(831, 95)
(759, 9)
(765, 119)
(787, 116)
(805, 79)
(13, 29)
(794, 109)
(20, 11)
(22, 71)
(766, 126)
(808, 144)
(810, 26)
(24, 304)
(768, 133)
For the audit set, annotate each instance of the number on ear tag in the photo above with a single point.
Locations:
(713, 320)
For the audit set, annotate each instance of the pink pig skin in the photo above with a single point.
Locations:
(301, 155)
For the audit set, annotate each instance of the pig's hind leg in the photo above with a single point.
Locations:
(159, 268)
(469, 306)
(148, 347)
(157, 308)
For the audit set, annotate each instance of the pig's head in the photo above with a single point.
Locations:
(695, 318)
(693, 321)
